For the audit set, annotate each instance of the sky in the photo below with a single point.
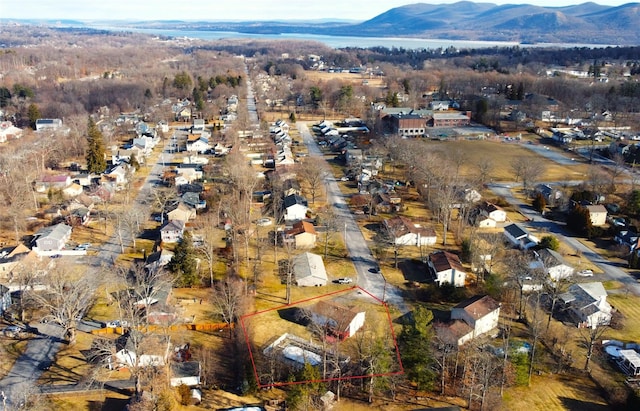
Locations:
(218, 10)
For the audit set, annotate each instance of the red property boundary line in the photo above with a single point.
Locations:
(352, 377)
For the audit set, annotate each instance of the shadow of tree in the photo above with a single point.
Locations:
(573, 404)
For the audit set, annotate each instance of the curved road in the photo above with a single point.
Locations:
(357, 247)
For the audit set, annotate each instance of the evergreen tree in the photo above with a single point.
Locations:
(184, 264)
(415, 341)
(305, 395)
(33, 113)
(539, 203)
(96, 161)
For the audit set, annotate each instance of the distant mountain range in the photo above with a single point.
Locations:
(586, 23)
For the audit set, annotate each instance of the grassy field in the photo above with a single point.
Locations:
(556, 393)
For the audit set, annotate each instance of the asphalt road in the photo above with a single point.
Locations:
(363, 260)
(611, 271)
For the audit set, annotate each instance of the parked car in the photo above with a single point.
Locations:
(585, 273)
(344, 280)
(263, 222)
(116, 324)
(14, 331)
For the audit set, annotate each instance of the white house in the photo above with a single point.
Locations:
(138, 350)
(185, 373)
(172, 231)
(447, 268)
(308, 270)
(198, 144)
(405, 232)
(494, 212)
(553, 264)
(520, 237)
(52, 238)
(337, 320)
(480, 313)
(295, 207)
(48, 124)
(9, 132)
(588, 302)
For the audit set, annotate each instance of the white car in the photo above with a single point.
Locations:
(263, 222)
(585, 273)
(116, 324)
(344, 280)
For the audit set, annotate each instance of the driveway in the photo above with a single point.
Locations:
(357, 247)
(41, 350)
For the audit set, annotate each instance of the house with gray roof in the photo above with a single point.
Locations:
(52, 238)
(553, 263)
(309, 270)
(588, 304)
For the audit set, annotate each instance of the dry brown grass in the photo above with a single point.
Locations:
(502, 154)
(10, 350)
(556, 392)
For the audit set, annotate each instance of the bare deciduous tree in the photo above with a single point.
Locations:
(67, 297)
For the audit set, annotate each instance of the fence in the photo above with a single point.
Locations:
(176, 327)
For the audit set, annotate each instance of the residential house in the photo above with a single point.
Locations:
(121, 155)
(10, 259)
(470, 319)
(588, 303)
(5, 299)
(447, 268)
(118, 175)
(48, 124)
(291, 186)
(135, 349)
(73, 190)
(157, 260)
(198, 143)
(519, 237)
(190, 172)
(493, 212)
(182, 212)
(308, 270)
(295, 207)
(78, 216)
(182, 113)
(338, 321)
(302, 235)
(480, 220)
(193, 200)
(553, 264)
(52, 238)
(405, 232)
(198, 124)
(9, 132)
(185, 373)
(597, 214)
(628, 238)
(353, 156)
(550, 194)
(389, 202)
(172, 231)
(52, 182)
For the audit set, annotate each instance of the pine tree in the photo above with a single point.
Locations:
(184, 264)
(33, 112)
(96, 162)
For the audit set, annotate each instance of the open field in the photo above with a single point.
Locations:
(502, 154)
(556, 393)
